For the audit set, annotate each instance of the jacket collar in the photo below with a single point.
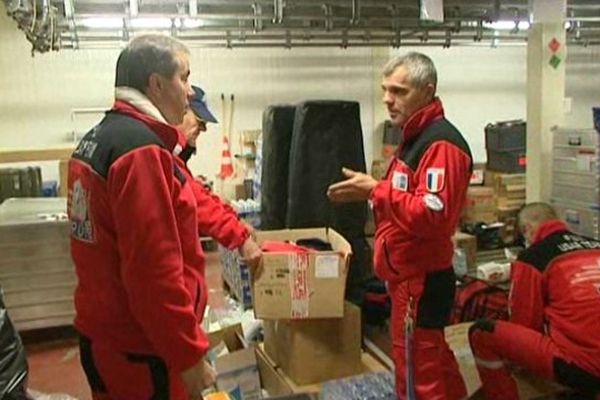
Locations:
(139, 101)
(129, 101)
(421, 119)
(549, 228)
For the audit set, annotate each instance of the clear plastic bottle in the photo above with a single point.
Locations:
(459, 262)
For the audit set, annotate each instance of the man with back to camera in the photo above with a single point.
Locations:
(554, 327)
(417, 207)
(215, 218)
(134, 236)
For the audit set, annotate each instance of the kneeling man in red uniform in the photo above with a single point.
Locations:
(554, 328)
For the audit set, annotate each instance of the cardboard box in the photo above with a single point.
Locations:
(478, 175)
(509, 189)
(497, 179)
(277, 383)
(480, 198)
(301, 286)
(237, 371)
(237, 374)
(469, 244)
(316, 350)
(480, 205)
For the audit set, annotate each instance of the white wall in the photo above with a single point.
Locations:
(38, 94)
(477, 85)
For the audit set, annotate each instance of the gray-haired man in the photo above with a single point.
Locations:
(134, 236)
(417, 207)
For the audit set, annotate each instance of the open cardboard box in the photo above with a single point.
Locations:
(237, 371)
(302, 286)
(277, 383)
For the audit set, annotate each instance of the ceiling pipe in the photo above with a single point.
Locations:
(355, 12)
(257, 22)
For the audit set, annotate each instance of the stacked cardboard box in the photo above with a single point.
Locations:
(313, 351)
(509, 190)
(302, 285)
(480, 205)
(311, 334)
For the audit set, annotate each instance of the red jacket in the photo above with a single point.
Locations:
(134, 240)
(556, 288)
(418, 204)
(215, 218)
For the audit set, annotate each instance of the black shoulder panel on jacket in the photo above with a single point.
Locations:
(541, 254)
(439, 130)
(113, 137)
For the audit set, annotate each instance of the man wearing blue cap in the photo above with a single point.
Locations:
(194, 121)
(215, 218)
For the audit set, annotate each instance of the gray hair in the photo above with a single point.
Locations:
(146, 55)
(421, 70)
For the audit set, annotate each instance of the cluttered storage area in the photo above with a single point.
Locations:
(288, 199)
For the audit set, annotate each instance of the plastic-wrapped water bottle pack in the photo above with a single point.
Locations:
(376, 386)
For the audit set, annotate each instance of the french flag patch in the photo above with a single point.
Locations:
(435, 179)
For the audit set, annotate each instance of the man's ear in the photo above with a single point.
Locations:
(430, 89)
(155, 84)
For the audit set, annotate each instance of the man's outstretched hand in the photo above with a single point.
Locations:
(357, 187)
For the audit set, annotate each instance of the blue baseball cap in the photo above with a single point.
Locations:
(198, 105)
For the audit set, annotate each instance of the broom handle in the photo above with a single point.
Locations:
(223, 117)
(230, 123)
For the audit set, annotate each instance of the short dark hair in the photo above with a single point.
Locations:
(536, 212)
(145, 55)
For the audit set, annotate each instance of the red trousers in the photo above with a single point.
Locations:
(514, 344)
(435, 370)
(114, 375)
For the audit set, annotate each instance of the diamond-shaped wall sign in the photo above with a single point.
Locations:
(554, 45)
(554, 61)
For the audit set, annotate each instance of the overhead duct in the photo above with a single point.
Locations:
(290, 23)
(39, 20)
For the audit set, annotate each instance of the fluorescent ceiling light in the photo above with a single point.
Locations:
(102, 22)
(506, 25)
(192, 23)
(150, 23)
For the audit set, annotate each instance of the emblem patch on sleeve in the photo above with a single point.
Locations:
(400, 181)
(435, 179)
(433, 202)
(81, 225)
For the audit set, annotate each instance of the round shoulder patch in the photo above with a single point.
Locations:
(433, 202)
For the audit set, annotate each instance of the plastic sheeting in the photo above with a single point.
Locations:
(327, 136)
(13, 364)
(278, 123)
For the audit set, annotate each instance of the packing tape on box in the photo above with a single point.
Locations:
(298, 266)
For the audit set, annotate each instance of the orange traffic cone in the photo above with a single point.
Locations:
(226, 161)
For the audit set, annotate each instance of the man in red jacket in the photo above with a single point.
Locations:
(141, 293)
(417, 208)
(554, 328)
(215, 218)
